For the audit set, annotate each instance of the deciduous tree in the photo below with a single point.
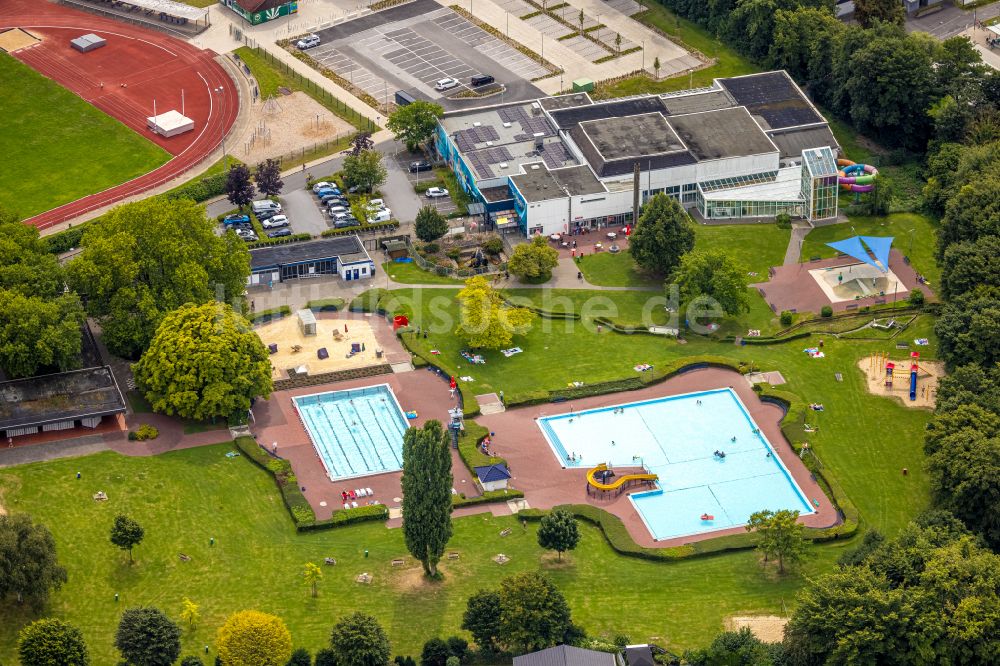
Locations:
(147, 637)
(414, 123)
(361, 142)
(533, 613)
(29, 568)
(364, 171)
(969, 330)
(485, 320)
(38, 334)
(430, 224)
(968, 265)
(312, 574)
(533, 261)
(253, 638)
(190, 613)
(779, 536)
(300, 657)
(268, 177)
(558, 531)
(867, 12)
(427, 483)
(239, 188)
(126, 534)
(662, 235)
(205, 362)
(145, 259)
(716, 275)
(359, 640)
(435, 653)
(482, 619)
(52, 642)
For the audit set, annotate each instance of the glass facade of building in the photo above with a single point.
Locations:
(820, 183)
(718, 209)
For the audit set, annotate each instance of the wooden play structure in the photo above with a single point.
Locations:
(601, 488)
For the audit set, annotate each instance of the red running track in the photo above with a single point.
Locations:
(151, 65)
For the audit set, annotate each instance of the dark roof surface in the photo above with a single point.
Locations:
(723, 133)
(565, 655)
(791, 143)
(540, 184)
(774, 97)
(565, 101)
(639, 655)
(706, 101)
(635, 136)
(567, 118)
(488, 473)
(59, 397)
(347, 248)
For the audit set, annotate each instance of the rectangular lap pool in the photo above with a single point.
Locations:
(676, 438)
(357, 432)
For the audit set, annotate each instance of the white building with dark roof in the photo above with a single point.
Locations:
(736, 149)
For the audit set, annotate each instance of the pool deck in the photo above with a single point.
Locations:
(546, 483)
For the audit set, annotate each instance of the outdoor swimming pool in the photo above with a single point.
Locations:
(357, 432)
(676, 438)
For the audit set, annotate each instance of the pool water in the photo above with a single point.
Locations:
(357, 432)
(675, 438)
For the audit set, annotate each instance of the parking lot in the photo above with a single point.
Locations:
(425, 179)
(411, 47)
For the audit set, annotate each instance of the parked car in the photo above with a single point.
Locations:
(344, 217)
(345, 223)
(265, 204)
(278, 233)
(446, 83)
(247, 235)
(377, 204)
(308, 42)
(481, 80)
(240, 225)
(267, 214)
(353, 189)
(235, 219)
(339, 201)
(422, 165)
(275, 222)
(323, 185)
(434, 192)
(383, 215)
(329, 197)
(337, 210)
(323, 191)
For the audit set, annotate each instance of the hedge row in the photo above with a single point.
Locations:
(343, 517)
(282, 240)
(296, 503)
(200, 190)
(488, 497)
(64, 241)
(326, 304)
(273, 313)
(368, 226)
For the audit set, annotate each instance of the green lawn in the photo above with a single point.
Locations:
(897, 225)
(756, 246)
(411, 273)
(728, 62)
(605, 269)
(57, 148)
(257, 560)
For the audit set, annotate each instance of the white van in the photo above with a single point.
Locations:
(265, 204)
(383, 215)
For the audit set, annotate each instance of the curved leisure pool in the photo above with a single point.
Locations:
(676, 438)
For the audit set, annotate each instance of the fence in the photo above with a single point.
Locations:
(308, 86)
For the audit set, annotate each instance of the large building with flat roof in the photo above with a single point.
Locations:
(744, 147)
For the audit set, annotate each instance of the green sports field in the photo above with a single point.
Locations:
(57, 148)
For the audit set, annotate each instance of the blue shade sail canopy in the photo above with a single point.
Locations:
(854, 247)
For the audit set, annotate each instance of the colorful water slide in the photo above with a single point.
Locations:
(856, 177)
(619, 483)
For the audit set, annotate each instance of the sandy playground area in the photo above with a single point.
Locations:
(928, 374)
(335, 335)
(286, 124)
(768, 628)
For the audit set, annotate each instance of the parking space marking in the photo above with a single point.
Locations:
(479, 39)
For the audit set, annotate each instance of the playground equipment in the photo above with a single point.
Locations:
(856, 177)
(913, 374)
(620, 485)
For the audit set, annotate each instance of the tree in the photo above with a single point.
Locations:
(192, 660)
(26, 265)
(533, 261)
(29, 568)
(326, 657)
(883, 195)
(147, 637)
(964, 476)
(312, 575)
(716, 275)
(618, 43)
(482, 619)
(239, 189)
(38, 334)
(430, 224)
(970, 211)
(661, 236)
(779, 535)
(485, 321)
(253, 638)
(364, 171)
(453, 661)
(558, 531)
(126, 534)
(736, 648)
(362, 142)
(533, 613)
(581, 18)
(435, 653)
(300, 657)
(190, 613)
(458, 647)
(52, 642)
(359, 640)
(145, 259)
(415, 123)
(205, 362)
(427, 483)
(968, 265)
(656, 67)
(268, 177)
(867, 12)
(969, 331)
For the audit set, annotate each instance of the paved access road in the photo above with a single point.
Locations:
(951, 20)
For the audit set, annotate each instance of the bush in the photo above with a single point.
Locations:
(917, 298)
(431, 248)
(200, 190)
(342, 517)
(326, 304)
(64, 241)
(493, 246)
(826, 312)
(458, 646)
(783, 221)
(273, 313)
(786, 318)
(144, 432)
(486, 498)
